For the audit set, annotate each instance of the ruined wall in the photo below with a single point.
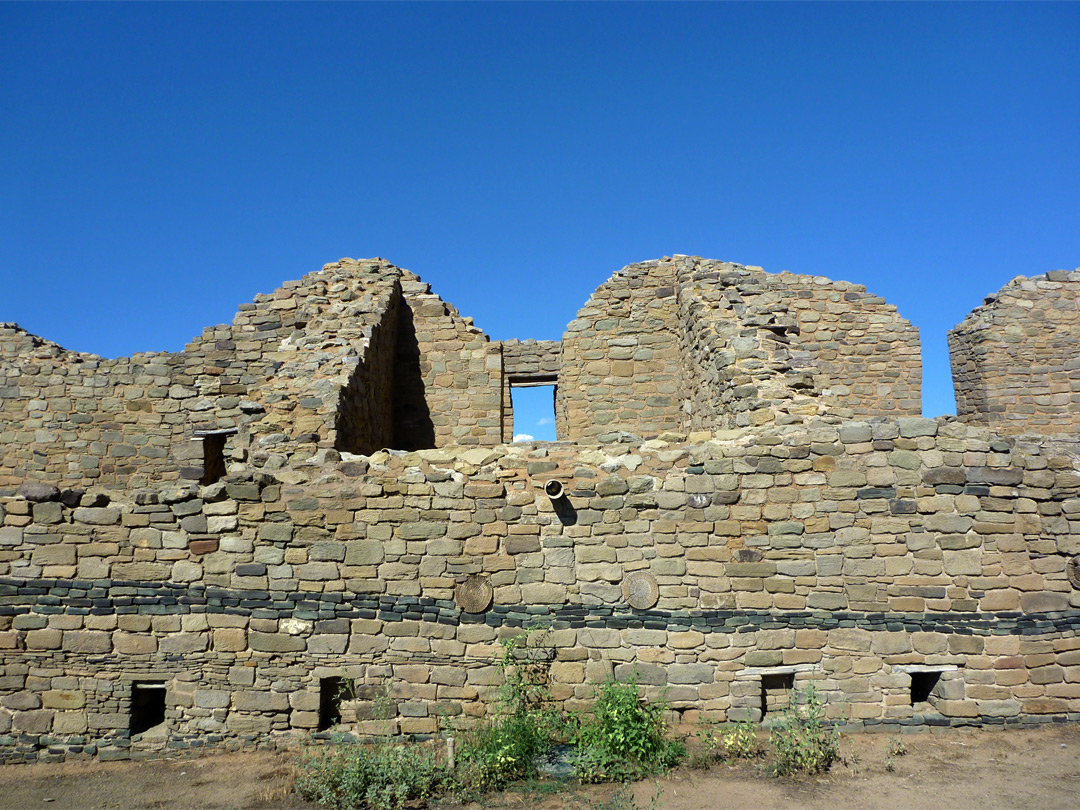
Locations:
(761, 347)
(331, 359)
(450, 388)
(1014, 359)
(690, 343)
(620, 358)
(916, 571)
(79, 419)
(849, 554)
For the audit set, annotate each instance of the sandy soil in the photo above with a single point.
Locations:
(957, 769)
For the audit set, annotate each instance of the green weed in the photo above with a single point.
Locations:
(379, 777)
(802, 740)
(626, 737)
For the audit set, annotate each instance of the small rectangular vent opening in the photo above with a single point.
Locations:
(776, 691)
(922, 685)
(213, 458)
(329, 703)
(147, 706)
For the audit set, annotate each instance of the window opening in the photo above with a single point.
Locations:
(533, 406)
(922, 685)
(329, 702)
(147, 706)
(213, 446)
(776, 691)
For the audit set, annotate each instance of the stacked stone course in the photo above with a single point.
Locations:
(1013, 359)
(691, 344)
(782, 540)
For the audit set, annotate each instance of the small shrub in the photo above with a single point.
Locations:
(707, 751)
(626, 737)
(499, 751)
(379, 777)
(741, 740)
(897, 747)
(803, 741)
(506, 747)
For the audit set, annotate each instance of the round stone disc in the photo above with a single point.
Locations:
(640, 590)
(1072, 571)
(474, 594)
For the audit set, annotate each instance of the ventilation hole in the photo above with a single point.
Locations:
(329, 703)
(922, 684)
(147, 706)
(776, 691)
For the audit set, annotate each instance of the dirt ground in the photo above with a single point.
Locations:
(955, 769)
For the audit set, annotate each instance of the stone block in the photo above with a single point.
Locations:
(229, 639)
(212, 699)
(276, 642)
(65, 723)
(56, 554)
(260, 701)
(691, 673)
(135, 643)
(33, 722)
(278, 533)
(850, 638)
(175, 643)
(87, 642)
(45, 639)
(21, 701)
(1043, 602)
(97, 516)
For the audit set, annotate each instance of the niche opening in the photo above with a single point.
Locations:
(776, 691)
(213, 453)
(922, 684)
(329, 702)
(147, 706)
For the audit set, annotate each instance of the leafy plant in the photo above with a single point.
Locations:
(741, 740)
(708, 748)
(379, 777)
(626, 737)
(803, 740)
(507, 746)
(897, 747)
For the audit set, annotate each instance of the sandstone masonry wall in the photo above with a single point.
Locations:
(848, 554)
(332, 359)
(759, 347)
(620, 358)
(1014, 360)
(692, 343)
(765, 538)
(458, 393)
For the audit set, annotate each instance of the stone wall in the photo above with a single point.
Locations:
(332, 359)
(753, 505)
(1014, 360)
(620, 358)
(460, 380)
(531, 360)
(688, 343)
(851, 554)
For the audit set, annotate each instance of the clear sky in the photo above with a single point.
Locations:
(161, 164)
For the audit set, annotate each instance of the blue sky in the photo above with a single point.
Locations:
(161, 164)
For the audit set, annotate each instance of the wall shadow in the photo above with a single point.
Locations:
(412, 425)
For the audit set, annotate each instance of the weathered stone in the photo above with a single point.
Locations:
(38, 492)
